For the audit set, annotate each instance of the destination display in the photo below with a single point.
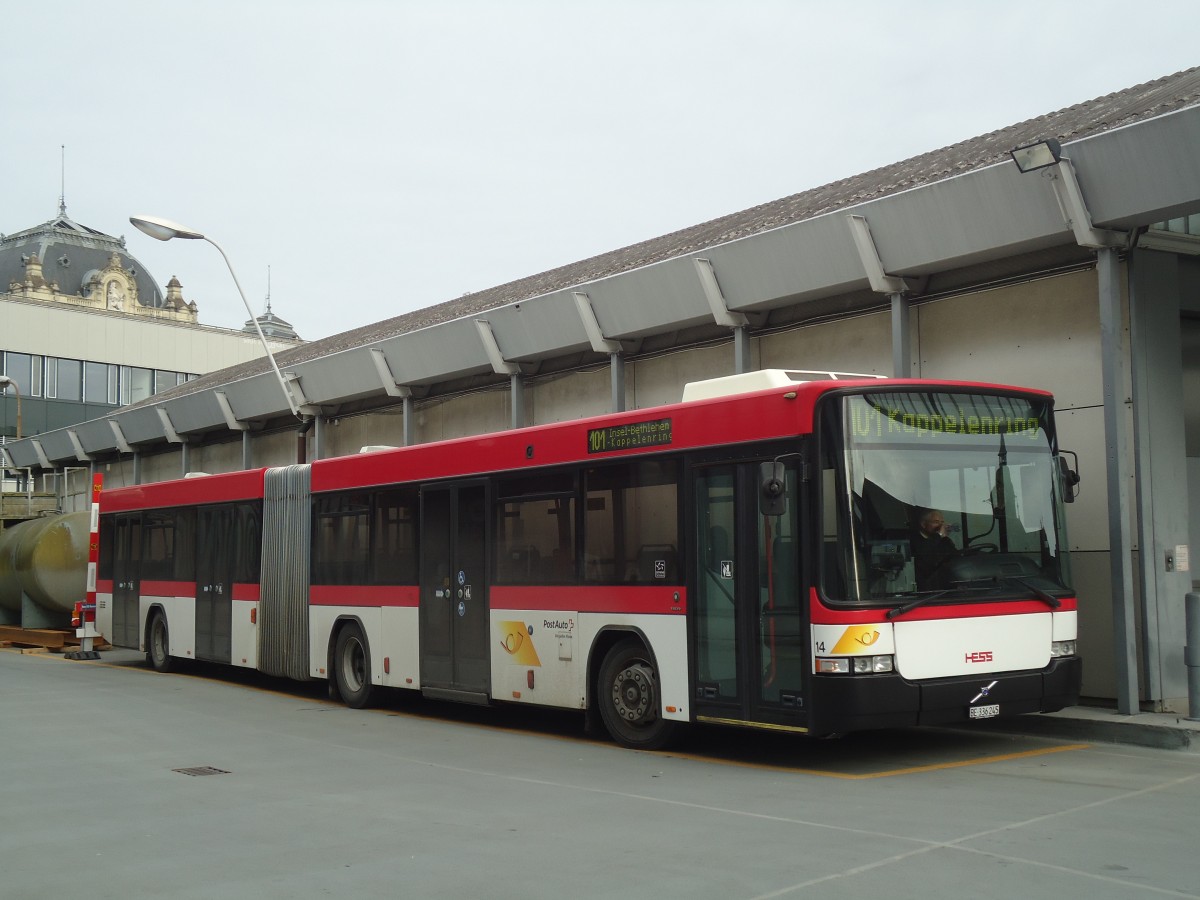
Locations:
(910, 417)
(635, 435)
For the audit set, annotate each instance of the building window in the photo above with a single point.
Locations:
(1184, 225)
(136, 384)
(64, 379)
(26, 371)
(100, 383)
(1180, 235)
(164, 381)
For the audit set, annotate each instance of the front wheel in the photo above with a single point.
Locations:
(352, 667)
(158, 644)
(629, 697)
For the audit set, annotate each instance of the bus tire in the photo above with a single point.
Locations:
(352, 666)
(158, 643)
(629, 698)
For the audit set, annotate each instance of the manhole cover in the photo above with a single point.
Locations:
(202, 770)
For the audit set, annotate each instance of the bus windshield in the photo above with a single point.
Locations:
(937, 494)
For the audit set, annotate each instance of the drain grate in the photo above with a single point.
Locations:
(201, 770)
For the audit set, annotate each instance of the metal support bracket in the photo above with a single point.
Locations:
(1075, 211)
(169, 431)
(122, 444)
(387, 378)
(500, 365)
(722, 314)
(80, 453)
(231, 421)
(881, 282)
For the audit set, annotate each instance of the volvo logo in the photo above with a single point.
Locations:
(984, 692)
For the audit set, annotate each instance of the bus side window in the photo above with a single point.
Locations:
(632, 523)
(394, 537)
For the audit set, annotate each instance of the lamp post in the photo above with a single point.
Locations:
(5, 383)
(163, 230)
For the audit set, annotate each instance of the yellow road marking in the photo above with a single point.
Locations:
(887, 773)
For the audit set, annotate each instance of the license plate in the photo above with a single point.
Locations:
(983, 712)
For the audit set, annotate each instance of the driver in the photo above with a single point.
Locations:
(931, 546)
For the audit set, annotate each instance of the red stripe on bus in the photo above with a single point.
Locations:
(821, 614)
(246, 592)
(223, 488)
(104, 585)
(643, 599)
(168, 588)
(363, 595)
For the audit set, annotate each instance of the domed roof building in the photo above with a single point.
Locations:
(65, 262)
(86, 329)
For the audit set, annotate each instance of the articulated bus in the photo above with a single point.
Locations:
(752, 556)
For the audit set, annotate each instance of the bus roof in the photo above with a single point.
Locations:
(733, 411)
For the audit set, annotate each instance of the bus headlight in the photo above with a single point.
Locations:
(859, 665)
(867, 665)
(1062, 648)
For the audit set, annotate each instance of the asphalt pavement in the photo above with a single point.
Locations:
(120, 782)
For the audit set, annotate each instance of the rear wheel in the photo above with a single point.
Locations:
(629, 698)
(352, 666)
(158, 644)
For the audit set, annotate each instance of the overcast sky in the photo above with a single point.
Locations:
(384, 156)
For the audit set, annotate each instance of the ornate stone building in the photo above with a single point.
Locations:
(85, 329)
(61, 261)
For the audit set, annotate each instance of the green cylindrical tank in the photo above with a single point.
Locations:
(47, 560)
(10, 583)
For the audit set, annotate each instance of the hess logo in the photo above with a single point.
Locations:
(979, 656)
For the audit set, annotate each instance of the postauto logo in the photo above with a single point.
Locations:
(516, 639)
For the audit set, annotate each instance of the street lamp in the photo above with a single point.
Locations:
(7, 382)
(163, 230)
(1040, 155)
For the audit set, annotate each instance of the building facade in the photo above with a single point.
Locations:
(85, 329)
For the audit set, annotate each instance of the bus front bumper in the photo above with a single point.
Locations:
(856, 703)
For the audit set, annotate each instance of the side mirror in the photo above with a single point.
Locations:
(772, 493)
(1070, 477)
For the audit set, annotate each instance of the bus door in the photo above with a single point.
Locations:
(216, 559)
(454, 611)
(746, 606)
(127, 581)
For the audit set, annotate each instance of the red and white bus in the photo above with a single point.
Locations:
(751, 556)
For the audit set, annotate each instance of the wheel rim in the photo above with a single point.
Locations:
(633, 694)
(354, 665)
(158, 640)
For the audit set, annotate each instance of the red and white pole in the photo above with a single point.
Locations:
(85, 612)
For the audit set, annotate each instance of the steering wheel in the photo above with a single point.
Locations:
(982, 548)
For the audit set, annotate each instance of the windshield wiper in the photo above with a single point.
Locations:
(976, 584)
(913, 604)
(1047, 598)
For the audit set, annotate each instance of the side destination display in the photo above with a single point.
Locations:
(654, 433)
